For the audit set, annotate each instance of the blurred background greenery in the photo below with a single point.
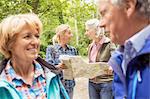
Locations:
(53, 13)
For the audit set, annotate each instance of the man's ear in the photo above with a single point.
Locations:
(130, 7)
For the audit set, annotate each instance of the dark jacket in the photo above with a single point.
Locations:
(103, 55)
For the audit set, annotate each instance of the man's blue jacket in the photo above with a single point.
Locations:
(136, 83)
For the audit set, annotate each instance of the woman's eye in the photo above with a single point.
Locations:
(37, 36)
(27, 36)
(69, 32)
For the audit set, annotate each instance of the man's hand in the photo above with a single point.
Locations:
(110, 71)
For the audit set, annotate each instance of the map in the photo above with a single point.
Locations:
(77, 67)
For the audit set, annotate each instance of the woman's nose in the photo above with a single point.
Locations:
(35, 40)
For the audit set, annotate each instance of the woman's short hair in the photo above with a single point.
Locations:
(60, 30)
(12, 25)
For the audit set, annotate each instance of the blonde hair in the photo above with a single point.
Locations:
(12, 25)
(60, 30)
(54, 40)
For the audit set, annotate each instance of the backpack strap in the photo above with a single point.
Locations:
(3, 65)
(43, 63)
(54, 70)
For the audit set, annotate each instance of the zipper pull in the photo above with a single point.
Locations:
(139, 76)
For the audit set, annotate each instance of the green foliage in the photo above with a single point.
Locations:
(1, 57)
(53, 13)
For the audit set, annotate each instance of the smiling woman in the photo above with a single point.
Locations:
(13, 26)
(23, 74)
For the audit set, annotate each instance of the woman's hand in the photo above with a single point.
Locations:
(61, 66)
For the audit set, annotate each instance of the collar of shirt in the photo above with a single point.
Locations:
(99, 43)
(60, 47)
(12, 76)
(10, 73)
(38, 70)
(139, 39)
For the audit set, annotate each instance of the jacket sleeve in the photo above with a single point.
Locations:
(118, 88)
(64, 94)
(56, 89)
(50, 55)
(5, 94)
(7, 91)
(119, 83)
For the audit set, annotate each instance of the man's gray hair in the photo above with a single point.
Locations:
(95, 24)
(142, 6)
(92, 23)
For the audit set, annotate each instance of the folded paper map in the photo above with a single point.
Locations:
(77, 67)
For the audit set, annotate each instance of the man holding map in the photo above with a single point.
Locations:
(100, 82)
(100, 87)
